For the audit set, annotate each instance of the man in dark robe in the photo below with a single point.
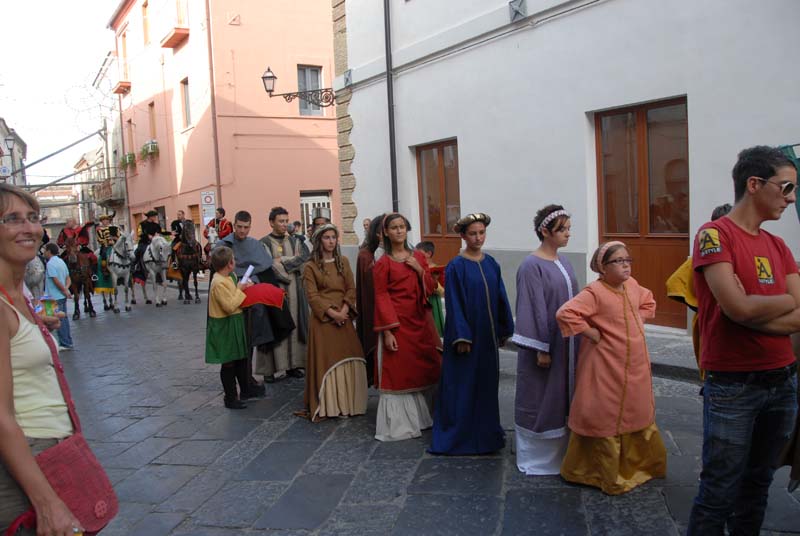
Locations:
(290, 254)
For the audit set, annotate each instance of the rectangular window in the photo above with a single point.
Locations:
(151, 116)
(308, 202)
(129, 128)
(123, 45)
(187, 108)
(644, 169)
(145, 24)
(439, 189)
(308, 78)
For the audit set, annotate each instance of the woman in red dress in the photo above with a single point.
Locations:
(409, 356)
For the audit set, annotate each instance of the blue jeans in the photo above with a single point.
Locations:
(745, 426)
(64, 337)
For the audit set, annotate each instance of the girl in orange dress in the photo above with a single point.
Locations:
(614, 443)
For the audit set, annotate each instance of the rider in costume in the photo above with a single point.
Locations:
(106, 235)
(148, 228)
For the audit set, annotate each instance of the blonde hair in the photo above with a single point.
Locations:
(7, 191)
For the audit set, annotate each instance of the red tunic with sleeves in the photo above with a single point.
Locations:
(401, 298)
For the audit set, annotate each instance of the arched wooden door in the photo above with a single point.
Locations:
(439, 197)
(643, 192)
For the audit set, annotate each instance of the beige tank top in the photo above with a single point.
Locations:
(39, 406)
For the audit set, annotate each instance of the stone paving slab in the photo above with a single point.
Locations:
(182, 464)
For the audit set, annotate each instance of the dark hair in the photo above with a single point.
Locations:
(8, 190)
(596, 264)
(372, 240)
(243, 216)
(220, 257)
(555, 225)
(51, 248)
(297, 222)
(721, 211)
(387, 219)
(759, 161)
(222, 211)
(426, 246)
(277, 211)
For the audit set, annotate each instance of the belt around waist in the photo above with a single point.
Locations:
(758, 377)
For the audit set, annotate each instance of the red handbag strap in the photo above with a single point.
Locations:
(62, 380)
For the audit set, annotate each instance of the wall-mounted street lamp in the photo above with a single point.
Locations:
(9, 141)
(320, 97)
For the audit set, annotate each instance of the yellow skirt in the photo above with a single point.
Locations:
(615, 464)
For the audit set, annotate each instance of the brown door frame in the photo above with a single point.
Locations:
(643, 236)
(448, 235)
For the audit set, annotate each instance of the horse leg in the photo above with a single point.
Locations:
(76, 297)
(164, 287)
(196, 293)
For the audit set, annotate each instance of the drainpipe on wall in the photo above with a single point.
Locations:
(214, 136)
(387, 34)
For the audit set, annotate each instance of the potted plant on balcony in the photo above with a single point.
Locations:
(149, 150)
(128, 159)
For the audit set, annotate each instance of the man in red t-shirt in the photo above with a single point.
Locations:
(748, 293)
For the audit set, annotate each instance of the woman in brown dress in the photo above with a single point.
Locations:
(336, 375)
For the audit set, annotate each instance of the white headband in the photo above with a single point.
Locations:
(552, 216)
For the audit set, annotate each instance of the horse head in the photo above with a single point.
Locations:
(213, 236)
(70, 253)
(160, 249)
(188, 235)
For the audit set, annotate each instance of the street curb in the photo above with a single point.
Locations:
(674, 372)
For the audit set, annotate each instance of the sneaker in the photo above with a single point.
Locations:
(62, 348)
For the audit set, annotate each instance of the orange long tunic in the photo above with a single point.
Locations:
(613, 383)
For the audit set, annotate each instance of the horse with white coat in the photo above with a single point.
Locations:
(120, 261)
(35, 272)
(156, 259)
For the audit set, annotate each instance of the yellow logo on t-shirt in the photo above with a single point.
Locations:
(709, 242)
(764, 271)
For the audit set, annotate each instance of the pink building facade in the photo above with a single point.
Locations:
(195, 116)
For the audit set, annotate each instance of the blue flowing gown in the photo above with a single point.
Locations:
(467, 412)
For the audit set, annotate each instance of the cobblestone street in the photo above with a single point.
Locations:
(182, 464)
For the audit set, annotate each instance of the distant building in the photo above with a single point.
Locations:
(59, 203)
(196, 117)
(13, 152)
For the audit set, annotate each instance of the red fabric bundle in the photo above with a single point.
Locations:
(265, 294)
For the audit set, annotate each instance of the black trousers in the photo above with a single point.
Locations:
(230, 373)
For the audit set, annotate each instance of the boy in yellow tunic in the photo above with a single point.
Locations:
(226, 340)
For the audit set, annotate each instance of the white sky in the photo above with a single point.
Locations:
(51, 52)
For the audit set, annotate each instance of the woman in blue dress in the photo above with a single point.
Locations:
(467, 413)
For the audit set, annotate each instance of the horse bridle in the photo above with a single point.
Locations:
(152, 250)
(124, 255)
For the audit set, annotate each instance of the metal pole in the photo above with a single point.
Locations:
(56, 152)
(387, 28)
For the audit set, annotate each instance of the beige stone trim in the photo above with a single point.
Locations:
(344, 124)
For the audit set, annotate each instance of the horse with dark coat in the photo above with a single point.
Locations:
(82, 264)
(189, 256)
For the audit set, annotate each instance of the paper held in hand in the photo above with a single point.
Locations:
(248, 273)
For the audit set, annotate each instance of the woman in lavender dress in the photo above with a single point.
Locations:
(545, 359)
